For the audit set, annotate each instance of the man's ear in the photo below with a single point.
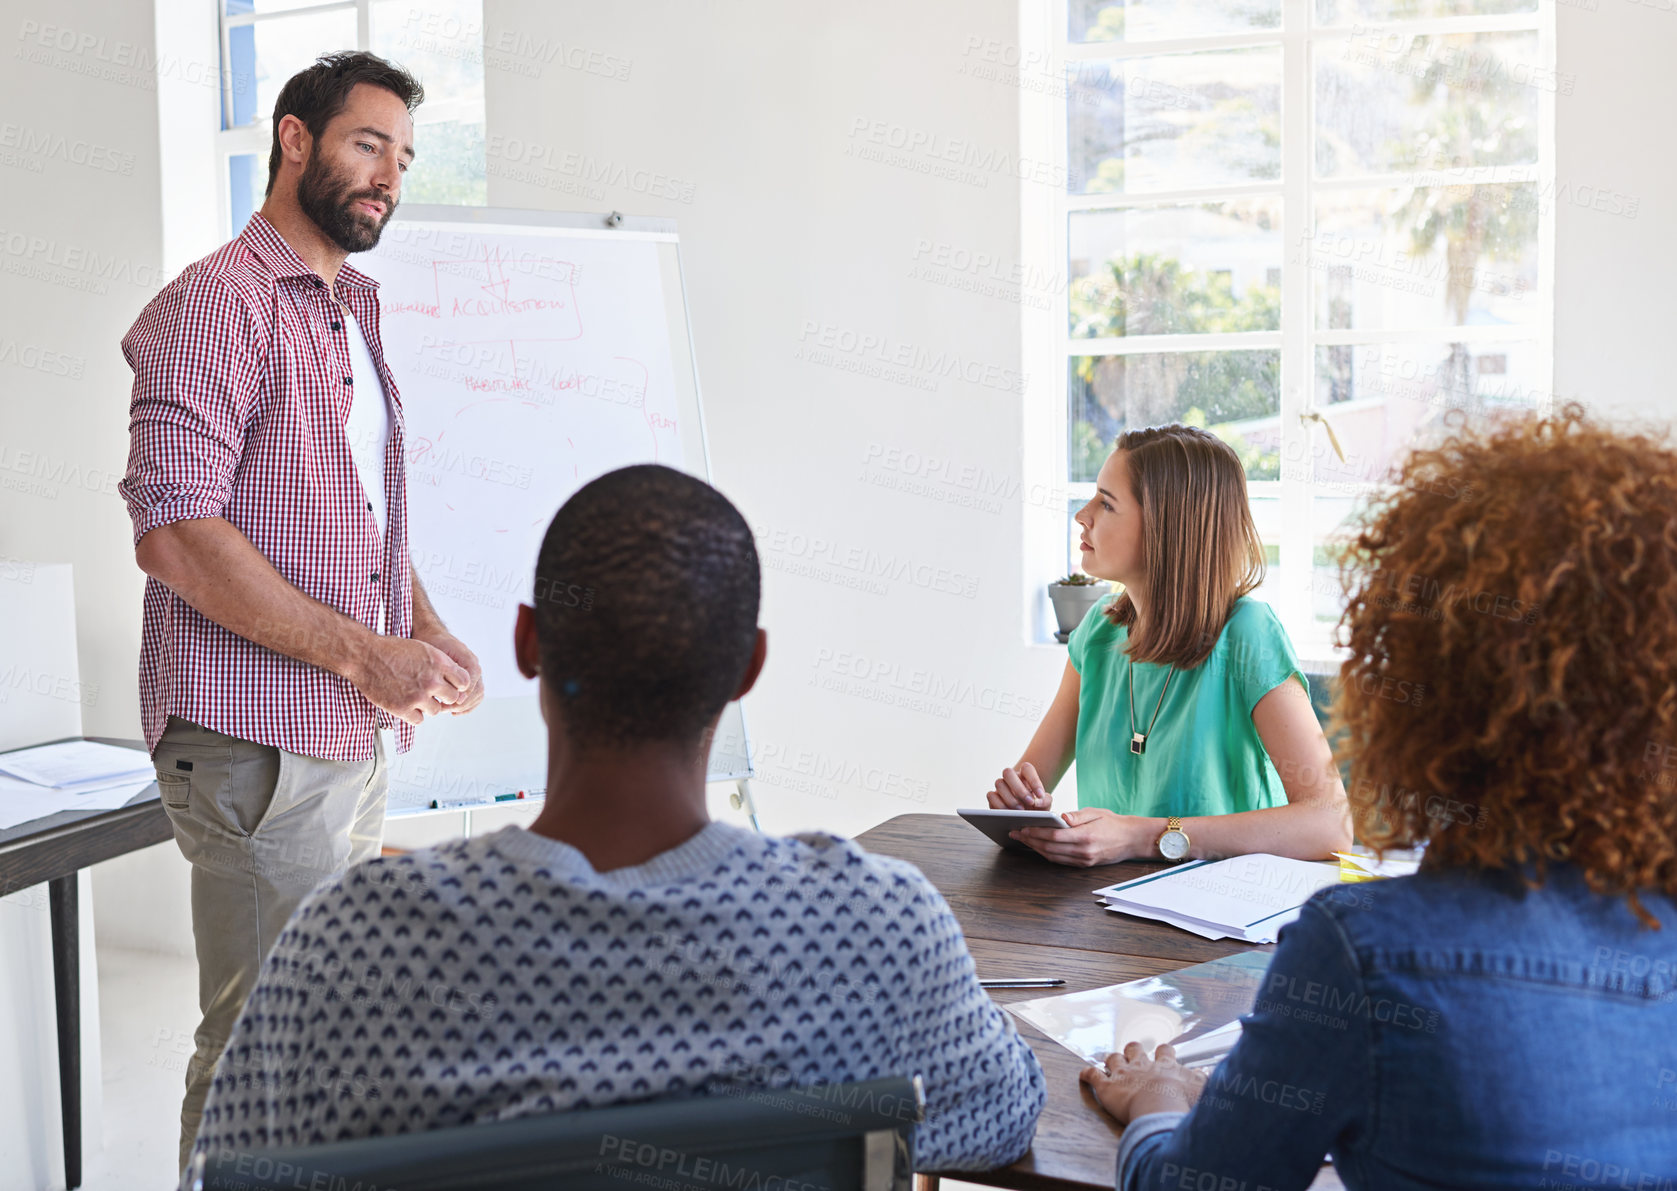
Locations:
(524, 641)
(759, 654)
(294, 140)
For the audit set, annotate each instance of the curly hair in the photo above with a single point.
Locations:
(1510, 698)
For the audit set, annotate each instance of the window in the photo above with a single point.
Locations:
(1314, 227)
(265, 42)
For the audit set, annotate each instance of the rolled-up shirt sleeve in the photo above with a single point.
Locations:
(198, 364)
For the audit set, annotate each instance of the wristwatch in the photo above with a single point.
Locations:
(1173, 841)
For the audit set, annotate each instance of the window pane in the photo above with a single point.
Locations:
(286, 45)
(1392, 101)
(1174, 121)
(1333, 525)
(448, 164)
(1266, 515)
(1152, 20)
(442, 43)
(1234, 394)
(1175, 270)
(1425, 256)
(240, 69)
(1383, 398)
(1340, 12)
(247, 180)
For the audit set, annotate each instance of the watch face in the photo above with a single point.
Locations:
(1173, 845)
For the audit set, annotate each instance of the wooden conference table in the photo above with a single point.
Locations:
(1024, 916)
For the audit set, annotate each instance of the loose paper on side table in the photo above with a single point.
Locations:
(75, 775)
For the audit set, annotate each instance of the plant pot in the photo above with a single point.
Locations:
(1072, 602)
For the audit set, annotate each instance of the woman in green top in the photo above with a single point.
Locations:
(1179, 700)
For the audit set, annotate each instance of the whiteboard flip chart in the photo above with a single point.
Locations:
(532, 352)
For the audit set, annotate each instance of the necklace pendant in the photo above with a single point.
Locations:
(1138, 742)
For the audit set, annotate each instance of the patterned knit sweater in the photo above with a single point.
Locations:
(500, 976)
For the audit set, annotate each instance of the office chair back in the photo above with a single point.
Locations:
(832, 1138)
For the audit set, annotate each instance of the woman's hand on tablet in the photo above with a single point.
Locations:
(1094, 836)
(1020, 790)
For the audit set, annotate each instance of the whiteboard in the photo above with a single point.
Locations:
(533, 351)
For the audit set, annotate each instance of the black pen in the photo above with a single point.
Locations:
(1034, 982)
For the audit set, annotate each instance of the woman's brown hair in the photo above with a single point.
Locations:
(1198, 542)
(1510, 697)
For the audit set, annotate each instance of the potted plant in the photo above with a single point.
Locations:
(1073, 596)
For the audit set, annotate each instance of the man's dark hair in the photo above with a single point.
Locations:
(646, 599)
(318, 93)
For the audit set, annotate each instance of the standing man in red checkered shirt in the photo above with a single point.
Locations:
(284, 625)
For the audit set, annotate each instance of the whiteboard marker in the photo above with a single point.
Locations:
(467, 804)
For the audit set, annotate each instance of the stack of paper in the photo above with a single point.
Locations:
(75, 775)
(1244, 897)
(1197, 1010)
(76, 765)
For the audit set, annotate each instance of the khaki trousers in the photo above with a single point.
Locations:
(261, 828)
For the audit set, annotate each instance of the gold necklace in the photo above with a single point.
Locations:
(1138, 740)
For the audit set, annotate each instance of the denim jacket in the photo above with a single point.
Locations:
(1449, 1029)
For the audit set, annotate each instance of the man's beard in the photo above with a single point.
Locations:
(324, 197)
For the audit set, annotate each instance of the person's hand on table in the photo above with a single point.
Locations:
(1132, 1085)
(457, 651)
(1093, 836)
(1020, 790)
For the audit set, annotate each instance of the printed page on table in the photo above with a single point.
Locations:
(1243, 896)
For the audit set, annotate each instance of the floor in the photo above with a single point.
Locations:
(148, 1006)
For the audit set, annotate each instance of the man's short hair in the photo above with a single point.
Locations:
(646, 598)
(319, 92)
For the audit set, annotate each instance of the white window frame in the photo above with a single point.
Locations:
(257, 137)
(1047, 345)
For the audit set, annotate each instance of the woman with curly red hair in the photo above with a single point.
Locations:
(1507, 1016)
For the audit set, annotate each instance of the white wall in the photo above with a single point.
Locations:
(745, 113)
(80, 254)
(186, 227)
(1614, 271)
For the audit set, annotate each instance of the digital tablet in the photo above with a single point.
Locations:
(996, 824)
